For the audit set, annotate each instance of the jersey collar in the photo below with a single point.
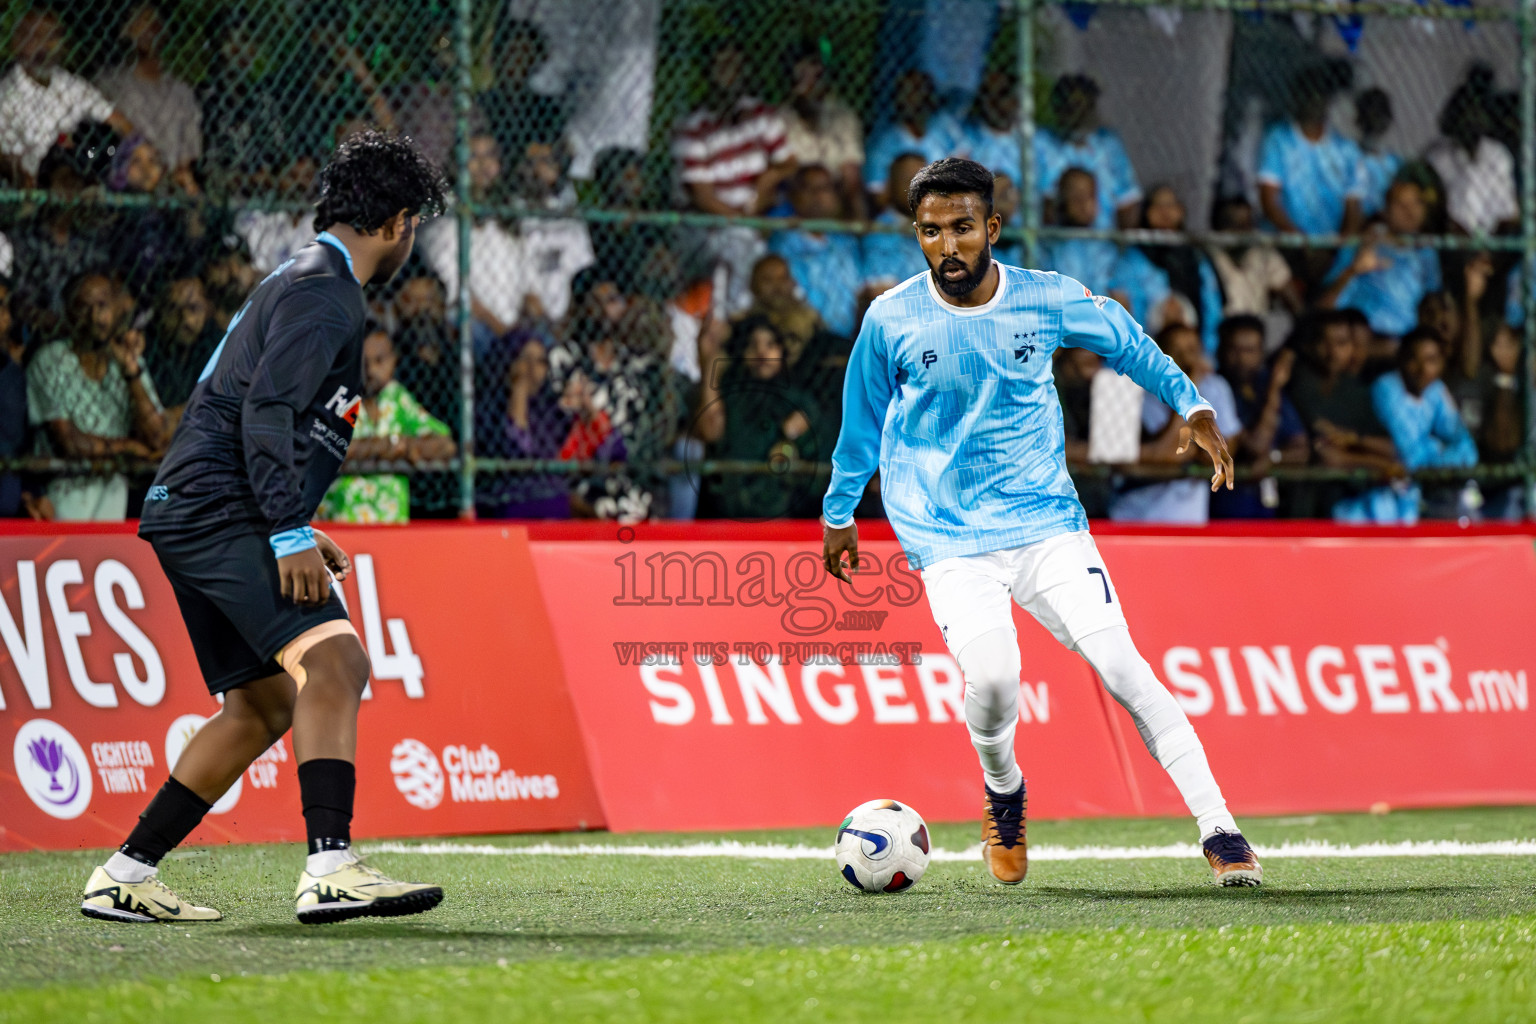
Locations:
(326, 238)
(986, 307)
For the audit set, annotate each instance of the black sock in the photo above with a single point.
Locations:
(326, 787)
(170, 817)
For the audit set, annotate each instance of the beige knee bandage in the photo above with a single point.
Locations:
(291, 657)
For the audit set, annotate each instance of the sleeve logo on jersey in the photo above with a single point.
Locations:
(1098, 300)
(345, 407)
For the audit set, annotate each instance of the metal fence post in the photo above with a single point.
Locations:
(1027, 183)
(463, 84)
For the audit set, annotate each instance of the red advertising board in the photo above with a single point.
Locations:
(737, 685)
(466, 727)
(1330, 674)
(697, 678)
(1322, 674)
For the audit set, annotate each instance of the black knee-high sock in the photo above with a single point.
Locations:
(326, 787)
(170, 817)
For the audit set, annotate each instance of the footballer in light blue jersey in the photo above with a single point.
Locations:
(957, 408)
(949, 393)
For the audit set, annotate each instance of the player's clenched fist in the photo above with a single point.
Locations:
(835, 540)
(306, 575)
(304, 579)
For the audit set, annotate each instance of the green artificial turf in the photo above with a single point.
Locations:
(640, 938)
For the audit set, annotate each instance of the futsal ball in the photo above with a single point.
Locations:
(882, 846)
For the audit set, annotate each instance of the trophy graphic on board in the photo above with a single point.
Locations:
(49, 756)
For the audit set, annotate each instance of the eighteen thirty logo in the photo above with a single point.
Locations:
(418, 776)
(51, 767)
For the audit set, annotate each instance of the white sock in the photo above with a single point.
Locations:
(1164, 727)
(326, 861)
(990, 665)
(124, 868)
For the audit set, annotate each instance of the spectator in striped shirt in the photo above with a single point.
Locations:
(734, 150)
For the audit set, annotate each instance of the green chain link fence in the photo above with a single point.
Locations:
(669, 216)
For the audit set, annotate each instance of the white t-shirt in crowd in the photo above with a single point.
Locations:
(1479, 189)
(539, 256)
(274, 236)
(33, 116)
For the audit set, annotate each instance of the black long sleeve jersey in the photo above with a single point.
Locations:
(267, 427)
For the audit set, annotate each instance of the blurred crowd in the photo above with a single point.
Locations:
(633, 344)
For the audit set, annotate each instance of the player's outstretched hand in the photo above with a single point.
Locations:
(835, 541)
(336, 559)
(304, 579)
(1203, 431)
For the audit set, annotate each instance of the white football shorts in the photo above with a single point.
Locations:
(1062, 582)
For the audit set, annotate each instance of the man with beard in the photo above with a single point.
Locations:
(91, 398)
(182, 341)
(428, 349)
(228, 278)
(228, 515)
(949, 394)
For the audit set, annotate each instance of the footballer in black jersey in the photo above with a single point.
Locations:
(264, 434)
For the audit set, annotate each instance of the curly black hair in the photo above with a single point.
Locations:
(374, 175)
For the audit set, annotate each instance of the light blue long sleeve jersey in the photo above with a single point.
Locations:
(958, 409)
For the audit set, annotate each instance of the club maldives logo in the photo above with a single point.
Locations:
(418, 775)
(176, 739)
(51, 766)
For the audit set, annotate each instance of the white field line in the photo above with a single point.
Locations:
(1309, 849)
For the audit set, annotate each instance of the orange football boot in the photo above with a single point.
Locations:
(1233, 859)
(1003, 846)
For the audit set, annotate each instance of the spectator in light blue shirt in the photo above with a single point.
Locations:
(1079, 141)
(1417, 409)
(1093, 261)
(890, 259)
(1379, 165)
(1310, 177)
(825, 265)
(1382, 278)
(1186, 501)
(1180, 272)
(919, 127)
(991, 133)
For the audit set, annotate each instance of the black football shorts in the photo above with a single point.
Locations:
(227, 585)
